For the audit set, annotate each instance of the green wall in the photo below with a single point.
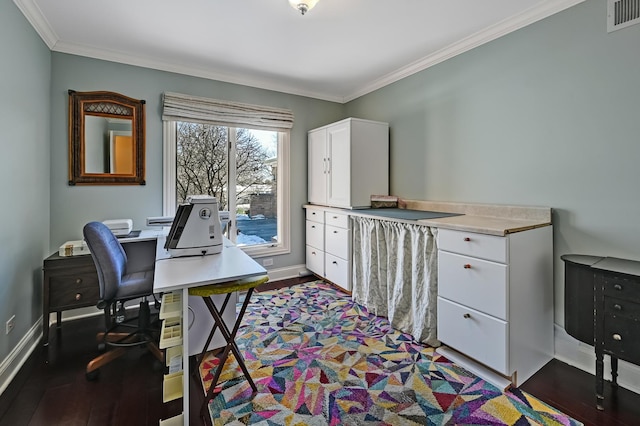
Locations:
(548, 115)
(24, 173)
(73, 206)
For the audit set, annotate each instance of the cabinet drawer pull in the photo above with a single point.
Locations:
(617, 307)
(467, 239)
(335, 232)
(313, 253)
(335, 217)
(467, 266)
(617, 337)
(313, 226)
(617, 287)
(467, 316)
(78, 296)
(78, 280)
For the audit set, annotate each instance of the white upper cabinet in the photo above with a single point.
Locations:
(348, 162)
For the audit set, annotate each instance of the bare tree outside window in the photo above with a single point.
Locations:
(202, 167)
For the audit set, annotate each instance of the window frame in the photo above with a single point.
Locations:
(283, 246)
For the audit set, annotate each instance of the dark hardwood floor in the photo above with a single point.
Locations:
(51, 389)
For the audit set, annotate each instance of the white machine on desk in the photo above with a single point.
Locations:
(196, 229)
(119, 227)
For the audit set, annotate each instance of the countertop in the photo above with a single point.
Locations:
(491, 219)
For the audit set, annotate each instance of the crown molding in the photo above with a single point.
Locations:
(486, 35)
(35, 17)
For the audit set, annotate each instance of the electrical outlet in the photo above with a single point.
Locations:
(11, 323)
(267, 262)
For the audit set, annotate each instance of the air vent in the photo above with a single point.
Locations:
(622, 13)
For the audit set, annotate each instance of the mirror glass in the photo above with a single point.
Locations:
(106, 139)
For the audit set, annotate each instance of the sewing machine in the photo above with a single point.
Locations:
(196, 229)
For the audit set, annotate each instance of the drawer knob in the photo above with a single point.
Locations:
(335, 217)
(467, 266)
(467, 239)
(617, 287)
(78, 296)
(334, 262)
(617, 337)
(617, 307)
(467, 316)
(78, 280)
(335, 232)
(313, 253)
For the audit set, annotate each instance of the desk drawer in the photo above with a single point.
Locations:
(622, 308)
(315, 234)
(621, 287)
(473, 282)
(480, 336)
(621, 337)
(73, 291)
(488, 247)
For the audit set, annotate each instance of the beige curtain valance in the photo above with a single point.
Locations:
(179, 107)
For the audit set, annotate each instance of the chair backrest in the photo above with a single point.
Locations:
(109, 257)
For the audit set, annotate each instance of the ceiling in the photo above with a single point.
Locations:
(338, 51)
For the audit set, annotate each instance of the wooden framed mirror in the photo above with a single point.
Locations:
(106, 139)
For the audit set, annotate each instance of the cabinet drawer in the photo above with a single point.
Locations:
(489, 247)
(622, 287)
(621, 337)
(475, 334)
(73, 291)
(336, 219)
(337, 271)
(315, 234)
(473, 282)
(315, 260)
(315, 215)
(336, 241)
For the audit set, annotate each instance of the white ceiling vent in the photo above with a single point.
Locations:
(622, 13)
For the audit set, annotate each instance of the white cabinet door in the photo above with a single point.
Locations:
(318, 166)
(339, 157)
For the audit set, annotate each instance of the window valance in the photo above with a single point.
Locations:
(179, 107)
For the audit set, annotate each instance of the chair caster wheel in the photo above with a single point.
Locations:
(92, 375)
(102, 347)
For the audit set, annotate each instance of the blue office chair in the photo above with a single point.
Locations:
(117, 284)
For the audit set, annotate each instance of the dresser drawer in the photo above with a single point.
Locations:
(622, 287)
(73, 291)
(315, 260)
(336, 241)
(315, 215)
(336, 219)
(481, 337)
(487, 247)
(337, 271)
(315, 234)
(477, 283)
(621, 337)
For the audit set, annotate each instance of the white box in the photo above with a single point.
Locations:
(73, 248)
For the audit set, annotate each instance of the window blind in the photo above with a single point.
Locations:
(179, 107)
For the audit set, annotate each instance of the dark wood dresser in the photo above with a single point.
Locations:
(602, 308)
(69, 282)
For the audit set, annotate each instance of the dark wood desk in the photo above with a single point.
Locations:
(71, 282)
(602, 308)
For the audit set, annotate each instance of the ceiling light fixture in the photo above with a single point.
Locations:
(303, 5)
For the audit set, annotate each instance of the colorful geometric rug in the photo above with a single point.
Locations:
(318, 358)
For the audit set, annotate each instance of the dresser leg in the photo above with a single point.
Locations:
(614, 372)
(599, 380)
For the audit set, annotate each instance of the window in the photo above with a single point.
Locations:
(246, 168)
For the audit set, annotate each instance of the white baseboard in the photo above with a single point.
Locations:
(583, 356)
(11, 365)
(294, 271)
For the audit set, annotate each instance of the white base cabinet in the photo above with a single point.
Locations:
(495, 299)
(348, 162)
(329, 245)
